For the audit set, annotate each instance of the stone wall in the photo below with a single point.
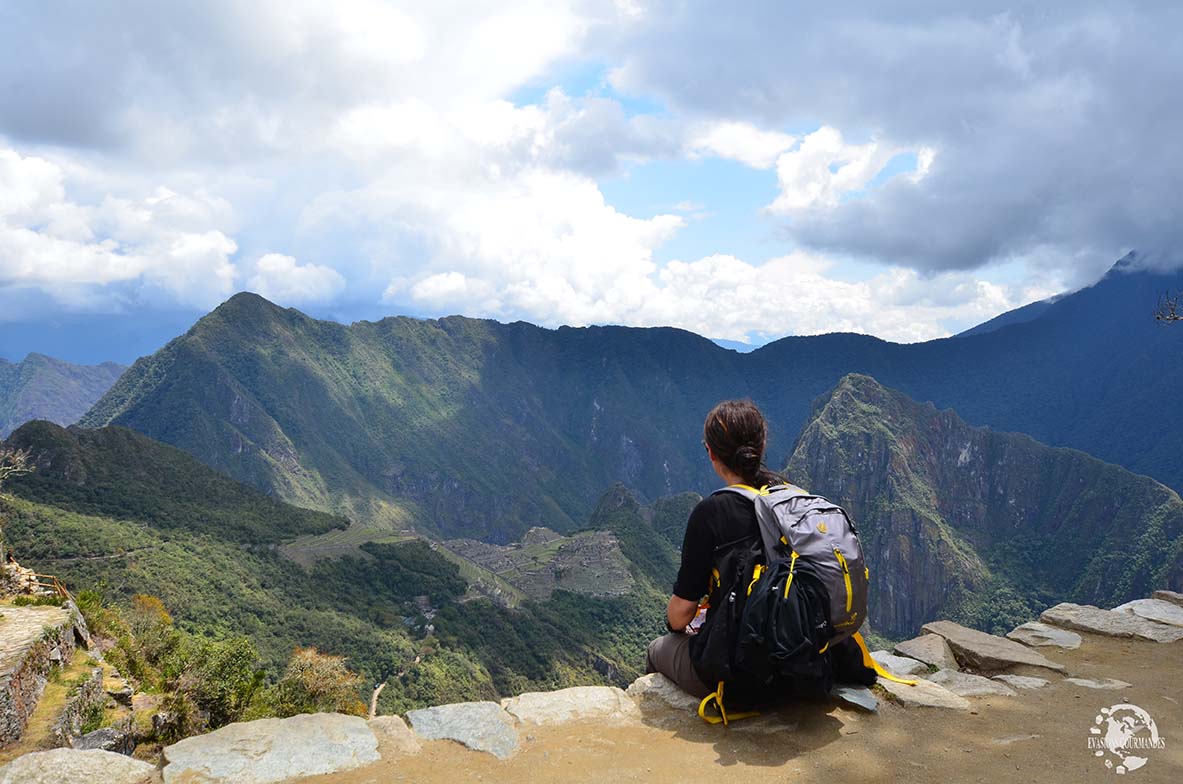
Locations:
(80, 705)
(33, 640)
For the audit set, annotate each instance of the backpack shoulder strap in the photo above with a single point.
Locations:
(763, 498)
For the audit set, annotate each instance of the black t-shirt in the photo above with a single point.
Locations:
(718, 519)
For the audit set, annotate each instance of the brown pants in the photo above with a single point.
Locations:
(670, 655)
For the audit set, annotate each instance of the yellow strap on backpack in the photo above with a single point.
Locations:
(717, 697)
(874, 665)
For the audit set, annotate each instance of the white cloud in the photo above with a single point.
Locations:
(540, 242)
(739, 141)
(163, 240)
(725, 297)
(383, 141)
(280, 279)
(825, 168)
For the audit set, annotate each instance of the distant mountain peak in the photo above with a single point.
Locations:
(1131, 262)
(44, 387)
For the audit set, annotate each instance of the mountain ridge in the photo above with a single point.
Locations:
(977, 524)
(462, 427)
(42, 387)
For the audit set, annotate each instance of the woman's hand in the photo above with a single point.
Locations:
(679, 613)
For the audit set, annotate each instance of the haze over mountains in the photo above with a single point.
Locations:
(41, 387)
(468, 428)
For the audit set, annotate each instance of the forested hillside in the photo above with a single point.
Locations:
(110, 510)
(466, 428)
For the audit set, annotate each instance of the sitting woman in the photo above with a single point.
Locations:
(734, 434)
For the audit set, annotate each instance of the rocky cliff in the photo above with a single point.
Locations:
(979, 525)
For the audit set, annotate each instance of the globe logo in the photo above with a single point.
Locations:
(1122, 735)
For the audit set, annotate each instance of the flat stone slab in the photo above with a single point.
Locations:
(1039, 635)
(656, 688)
(858, 696)
(930, 649)
(272, 750)
(1168, 596)
(23, 627)
(966, 685)
(899, 665)
(1107, 683)
(986, 653)
(1022, 681)
(925, 694)
(481, 726)
(395, 738)
(547, 708)
(1154, 610)
(67, 766)
(1086, 618)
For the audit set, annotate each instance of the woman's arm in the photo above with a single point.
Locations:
(680, 612)
(694, 574)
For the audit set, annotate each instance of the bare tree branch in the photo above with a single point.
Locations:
(1168, 308)
(14, 462)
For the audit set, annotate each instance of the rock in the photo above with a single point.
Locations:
(983, 652)
(602, 703)
(1038, 635)
(930, 649)
(1168, 596)
(899, 665)
(858, 696)
(1154, 610)
(268, 750)
(106, 739)
(967, 685)
(395, 738)
(1089, 683)
(924, 694)
(1086, 618)
(1022, 681)
(656, 688)
(122, 696)
(481, 726)
(71, 766)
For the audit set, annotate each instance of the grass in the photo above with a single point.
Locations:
(53, 701)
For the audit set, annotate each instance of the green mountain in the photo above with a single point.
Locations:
(465, 428)
(114, 511)
(977, 525)
(41, 387)
(457, 427)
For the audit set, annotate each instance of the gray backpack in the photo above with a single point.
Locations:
(818, 535)
(768, 631)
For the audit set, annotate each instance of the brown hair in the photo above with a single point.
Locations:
(736, 433)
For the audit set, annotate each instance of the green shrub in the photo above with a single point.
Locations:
(314, 682)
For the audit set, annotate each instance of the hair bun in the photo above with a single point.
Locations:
(747, 457)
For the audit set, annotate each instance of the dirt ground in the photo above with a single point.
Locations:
(1039, 735)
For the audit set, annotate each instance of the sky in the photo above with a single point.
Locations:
(904, 170)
